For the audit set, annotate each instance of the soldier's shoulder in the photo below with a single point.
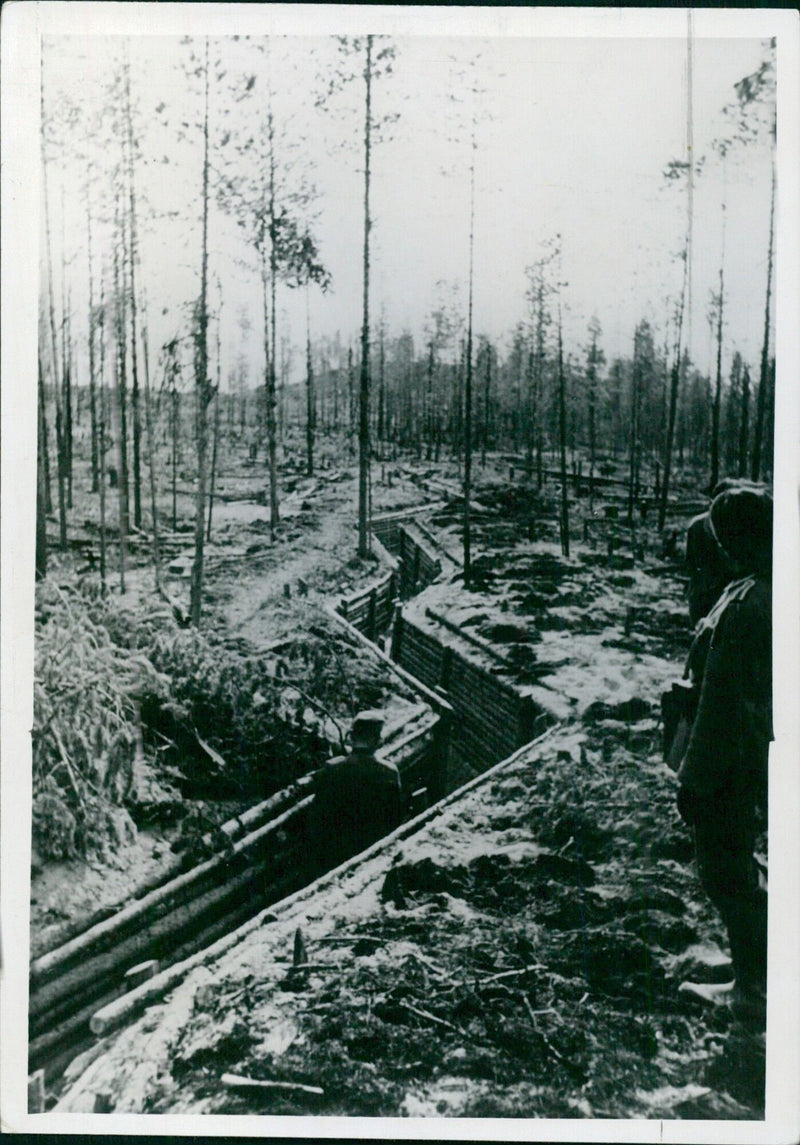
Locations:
(329, 769)
(757, 601)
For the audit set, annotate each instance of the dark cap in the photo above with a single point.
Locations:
(741, 518)
(366, 729)
(702, 548)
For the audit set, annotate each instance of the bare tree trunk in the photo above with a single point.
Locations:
(715, 408)
(634, 442)
(151, 451)
(530, 437)
(673, 408)
(311, 413)
(174, 427)
(44, 444)
(562, 437)
(763, 380)
(744, 425)
(41, 496)
(486, 393)
(381, 428)
(101, 437)
(117, 399)
(68, 424)
(717, 401)
(60, 456)
(137, 426)
(429, 400)
(363, 390)
(538, 384)
(66, 362)
(272, 444)
(468, 380)
(592, 420)
(214, 451)
(202, 388)
(92, 381)
(217, 411)
(120, 381)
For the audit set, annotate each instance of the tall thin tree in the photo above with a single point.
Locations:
(364, 546)
(468, 367)
(763, 378)
(718, 304)
(311, 404)
(133, 256)
(151, 455)
(203, 388)
(562, 441)
(594, 359)
(54, 350)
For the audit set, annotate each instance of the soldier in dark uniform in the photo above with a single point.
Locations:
(723, 777)
(357, 797)
(707, 565)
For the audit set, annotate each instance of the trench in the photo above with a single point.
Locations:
(254, 861)
(78, 991)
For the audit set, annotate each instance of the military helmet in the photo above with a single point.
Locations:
(741, 518)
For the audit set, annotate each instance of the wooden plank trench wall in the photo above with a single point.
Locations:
(492, 718)
(370, 610)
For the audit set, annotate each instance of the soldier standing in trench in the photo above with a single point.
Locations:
(723, 776)
(357, 797)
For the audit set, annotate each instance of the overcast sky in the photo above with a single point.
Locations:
(573, 137)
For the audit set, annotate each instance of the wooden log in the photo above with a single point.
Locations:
(234, 828)
(108, 931)
(69, 1031)
(82, 1062)
(101, 971)
(141, 973)
(161, 936)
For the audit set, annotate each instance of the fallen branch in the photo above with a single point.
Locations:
(437, 702)
(510, 974)
(235, 1081)
(431, 1017)
(571, 1067)
(303, 966)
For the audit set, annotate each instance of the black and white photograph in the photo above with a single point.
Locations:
(400, 572)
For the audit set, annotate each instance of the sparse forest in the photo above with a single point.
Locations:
(238, 377)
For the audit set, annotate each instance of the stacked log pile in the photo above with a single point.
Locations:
(69, 983)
